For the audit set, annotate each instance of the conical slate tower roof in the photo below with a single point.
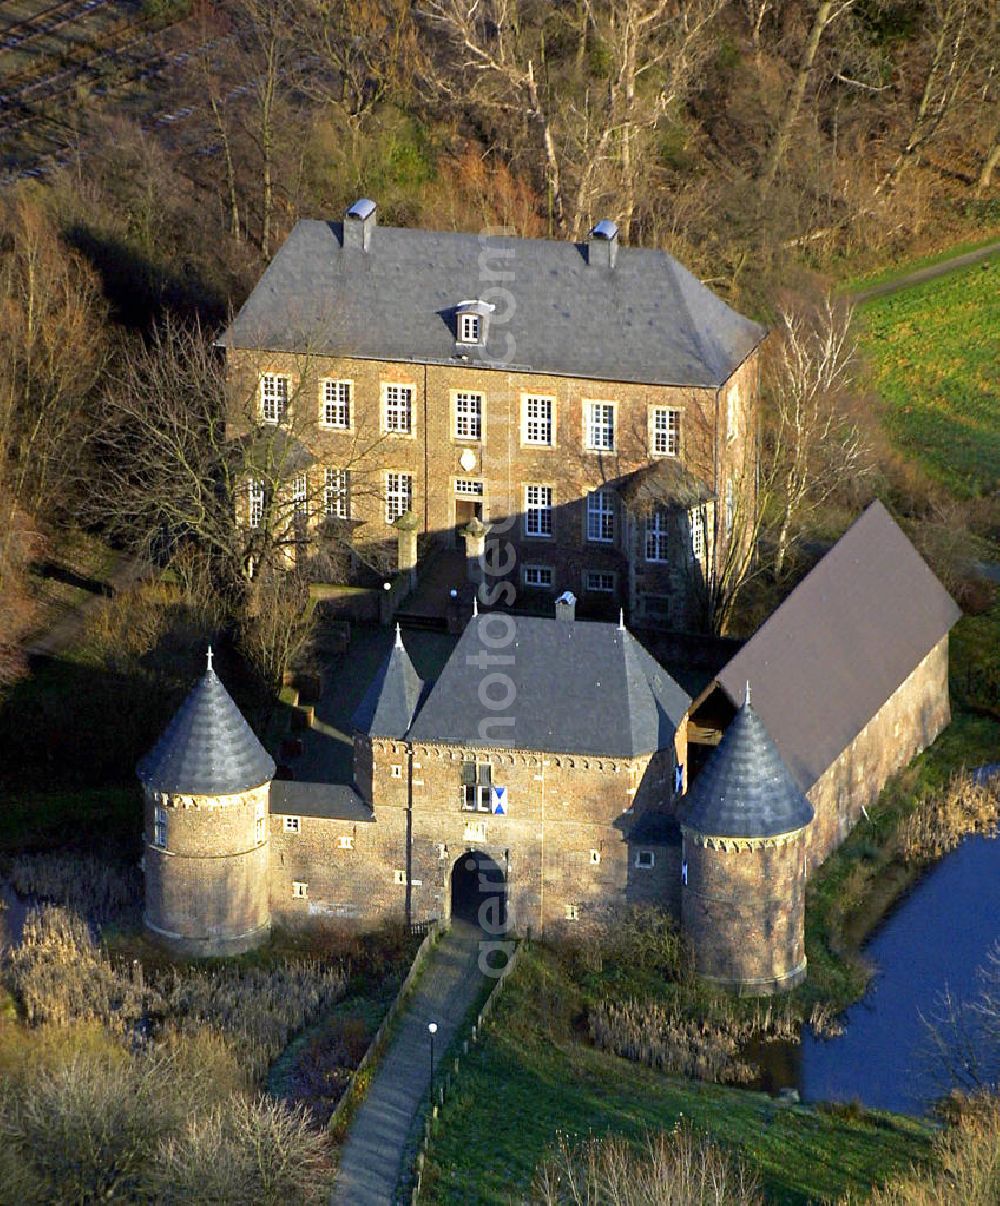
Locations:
(388, 706)
(746, 790)
(208, 748)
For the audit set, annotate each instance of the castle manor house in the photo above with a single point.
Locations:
(598, 784)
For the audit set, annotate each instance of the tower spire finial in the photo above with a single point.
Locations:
(475, 604)
(747, 699)
(621, 619)
(208, 659)
(399, 637)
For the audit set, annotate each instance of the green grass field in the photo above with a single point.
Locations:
(935, 349)
(529, 1081)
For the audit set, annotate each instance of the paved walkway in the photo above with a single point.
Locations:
(919, 275)
(370, 1160)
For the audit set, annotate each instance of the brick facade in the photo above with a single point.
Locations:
(907, 723)
(743, 910)
(505, 463)
(206, 866)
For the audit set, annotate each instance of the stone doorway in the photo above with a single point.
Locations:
(479, 892)
(466, 510)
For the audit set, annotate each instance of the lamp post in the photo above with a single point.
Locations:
(432, 1030)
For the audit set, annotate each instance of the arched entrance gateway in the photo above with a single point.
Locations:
(479, 892)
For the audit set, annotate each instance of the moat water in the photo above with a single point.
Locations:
(937, 936)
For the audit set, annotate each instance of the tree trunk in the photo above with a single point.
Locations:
(793, 104)
(989, 166)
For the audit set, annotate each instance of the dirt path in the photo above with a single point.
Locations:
(67, 630)
(370, 1160)
(919, 275)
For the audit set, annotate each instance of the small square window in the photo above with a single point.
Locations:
(346, 842)
(572, 912)
(300, 891)
(600, 582)
(397, 772)
(595, 857)
(469, 327)
(538, 576)
(645, 859)
(293, 824)
(400, 877)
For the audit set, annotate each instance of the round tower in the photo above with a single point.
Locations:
(743, 829)
(205, 786)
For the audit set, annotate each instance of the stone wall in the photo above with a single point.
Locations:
(907, 723)
(207, 886)
(743, 910)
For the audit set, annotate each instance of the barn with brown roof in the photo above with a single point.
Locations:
(851, 674)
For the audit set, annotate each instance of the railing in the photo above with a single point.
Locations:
(361, 1077)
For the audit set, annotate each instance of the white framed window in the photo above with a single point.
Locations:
(274, 390)
(300, 890)
(595, 857)
(399, 877)
(160, 827)
(398, 495)
(733, 412)
(468, 416)
(396, 772)
(538, 576)
(599, 426)
(336, 500)
(666, 431)
(538, 510)
(601, 516)
(397, 409)
(346, 842)
(468, 487)
(656, 536)
(477, 780)
(697, 519)
(293, 825)
(537, 426)
(255, 501)
(600, 581)
(335, 409)
(300, 495)
(644, 859)
(730, 505)
(572, 912)
(469, 328)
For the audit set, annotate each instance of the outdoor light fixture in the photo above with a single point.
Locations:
(387, 586)
(453, 592)
(432, 1030)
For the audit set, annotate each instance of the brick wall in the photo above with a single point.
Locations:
(206, 888)
(431, 453)
(907, 723)
(743, 910)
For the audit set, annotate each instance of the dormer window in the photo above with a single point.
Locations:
(468, 328)
(471, 320)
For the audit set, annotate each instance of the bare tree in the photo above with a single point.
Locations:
(824, 15)
(590, 132)
(815, 444)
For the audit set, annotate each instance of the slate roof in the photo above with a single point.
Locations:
(208, 748)
(331, 801)
(745, 788)
(664, 483)
(844, 640)
(577, 688)
(647, 319)
(389, 704)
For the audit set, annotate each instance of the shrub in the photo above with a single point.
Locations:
(963, 807)
(256, 1150)
(100, 890)
(671, 1169)
(966, 1166)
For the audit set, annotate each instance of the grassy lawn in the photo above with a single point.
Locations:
(530, 1079)
(935, 349)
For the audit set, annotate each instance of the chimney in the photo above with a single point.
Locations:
(602, 244)
(566, 607)
(359, 223)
